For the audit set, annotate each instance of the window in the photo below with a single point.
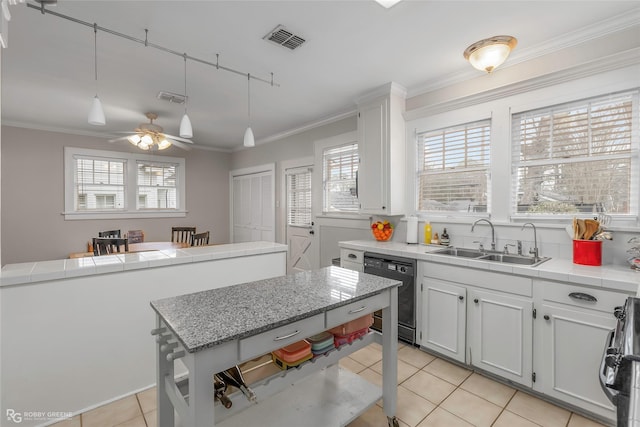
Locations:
(577, 157)
(340, 168)
(453, 168)
(107, 184)
(99, 183)
(156, 185)
(299, 197)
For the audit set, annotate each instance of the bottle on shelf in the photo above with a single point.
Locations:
(233, 376)
(444, 238)
(427, 233)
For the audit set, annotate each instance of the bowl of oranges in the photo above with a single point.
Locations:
(382, 230)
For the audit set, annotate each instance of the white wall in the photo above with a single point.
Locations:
(33, 227)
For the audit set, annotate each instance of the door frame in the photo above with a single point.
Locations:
(282, 204)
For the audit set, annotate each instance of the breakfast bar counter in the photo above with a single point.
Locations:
(213, 330)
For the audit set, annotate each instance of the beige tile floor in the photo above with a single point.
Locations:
(431, 393)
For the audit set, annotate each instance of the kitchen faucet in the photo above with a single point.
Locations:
(533, 250)
(493, 235)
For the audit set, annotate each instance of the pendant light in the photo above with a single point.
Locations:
(186, 131)
(96, 114)
(249, 141)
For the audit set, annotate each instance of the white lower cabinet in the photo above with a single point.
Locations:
(571, 328)
(500, 334)
(443, 318)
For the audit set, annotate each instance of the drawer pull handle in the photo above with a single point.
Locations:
(583, 297)
(364, 307)
(352, 256)
(286, 336)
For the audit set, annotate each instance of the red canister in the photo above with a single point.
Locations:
(587, 252)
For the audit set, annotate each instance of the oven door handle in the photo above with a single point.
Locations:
(611, 394)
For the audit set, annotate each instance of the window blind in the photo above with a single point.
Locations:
(156, 187)
(453, 168)
(577, 157)
(299, 198)
(99, 183)
(340, 167)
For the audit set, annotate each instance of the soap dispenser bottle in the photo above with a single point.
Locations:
(427, 233)
(444, 238)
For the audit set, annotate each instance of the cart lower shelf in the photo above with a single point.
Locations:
(330, 397)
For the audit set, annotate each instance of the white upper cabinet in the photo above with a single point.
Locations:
(381, 143)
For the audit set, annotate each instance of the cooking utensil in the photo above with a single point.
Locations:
(591, 228)
(581, 229)
(603, 219)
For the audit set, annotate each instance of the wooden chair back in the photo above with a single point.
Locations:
(182, 234)
(109, 245)
(109, 233)
(135, 236)
(200, 239)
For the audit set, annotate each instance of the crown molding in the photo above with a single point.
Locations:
(601, 65)
(386, 89)
(602, 28)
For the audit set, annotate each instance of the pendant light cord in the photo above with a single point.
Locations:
(249, 98)
(185, 83)
(95, 54)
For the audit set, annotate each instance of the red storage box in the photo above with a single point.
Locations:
(587, 252)
(339, 340)
(294, 352)
(353, 326)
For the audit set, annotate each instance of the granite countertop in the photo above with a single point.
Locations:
(204, 319)
(30, 272)
(614, 277)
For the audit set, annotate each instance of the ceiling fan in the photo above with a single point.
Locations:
(149, 136)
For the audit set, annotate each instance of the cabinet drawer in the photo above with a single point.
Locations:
(580, 296)
(356, 309)
(352, 255)
(355, 266)
(273, 339)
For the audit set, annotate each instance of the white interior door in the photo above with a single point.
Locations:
(253, 207)
(300, 231)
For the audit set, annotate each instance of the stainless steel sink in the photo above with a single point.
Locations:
(493, 256)
(460, 252)
(514, 259)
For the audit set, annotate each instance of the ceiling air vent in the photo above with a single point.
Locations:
(174, 98)
(283, 37)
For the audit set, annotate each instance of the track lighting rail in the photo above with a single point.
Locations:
(41, 7)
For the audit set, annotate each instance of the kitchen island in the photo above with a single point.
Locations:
(213, 330)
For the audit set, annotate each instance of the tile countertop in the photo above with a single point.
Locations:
(30, 272)
(203, 319)
(613, 277)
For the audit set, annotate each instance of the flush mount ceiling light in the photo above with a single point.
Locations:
(96, 114)
(488, 54)
(387, 3)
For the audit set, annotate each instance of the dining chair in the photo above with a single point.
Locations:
(110, 233)
(182, 234)
(109, 245)
(200, 239)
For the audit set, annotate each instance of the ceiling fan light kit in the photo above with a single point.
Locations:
(488, 54)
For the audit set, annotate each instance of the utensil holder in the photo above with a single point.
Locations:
(587, 252)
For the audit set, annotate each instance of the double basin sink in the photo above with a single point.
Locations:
(491, 256)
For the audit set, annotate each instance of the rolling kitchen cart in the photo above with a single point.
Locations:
(213, 330)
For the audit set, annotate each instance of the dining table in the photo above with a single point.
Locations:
(140, 247)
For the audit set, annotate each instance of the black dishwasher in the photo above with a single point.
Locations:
(402, 269)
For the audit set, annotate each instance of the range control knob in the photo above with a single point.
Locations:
(619, 312)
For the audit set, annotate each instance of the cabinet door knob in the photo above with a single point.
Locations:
(546, 317)
(460, 297)
(476, 300)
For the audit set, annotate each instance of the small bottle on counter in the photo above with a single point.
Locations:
(427, 233)
(435, 240)
(444, 238)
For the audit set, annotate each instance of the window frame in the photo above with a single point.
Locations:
(131, 185)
